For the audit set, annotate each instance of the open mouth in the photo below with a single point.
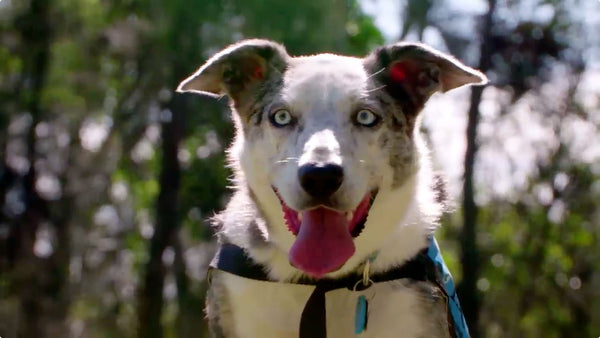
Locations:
(324, 236)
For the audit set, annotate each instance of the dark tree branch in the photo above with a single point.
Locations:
(470, 261)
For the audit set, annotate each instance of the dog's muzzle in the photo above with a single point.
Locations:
(324, 234)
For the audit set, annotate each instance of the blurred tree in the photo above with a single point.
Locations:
(469, 255)
(520, 45)
(415, 15)
(38, 283)
(518, 54)
(543, 273)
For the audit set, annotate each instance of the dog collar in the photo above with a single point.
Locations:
(427, 265)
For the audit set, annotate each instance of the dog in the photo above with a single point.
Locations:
(329, 231)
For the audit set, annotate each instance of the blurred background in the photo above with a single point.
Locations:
(107, 177)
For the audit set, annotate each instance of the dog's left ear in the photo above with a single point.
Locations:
(415, 71)
(238, 69)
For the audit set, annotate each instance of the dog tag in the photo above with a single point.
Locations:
(360, 316)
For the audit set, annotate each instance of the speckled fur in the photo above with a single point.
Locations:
(323, 92)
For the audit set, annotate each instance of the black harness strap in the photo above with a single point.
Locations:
(313, 322)
(233, 259)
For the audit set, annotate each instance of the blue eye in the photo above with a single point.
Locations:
(366, 118)
(281, 118)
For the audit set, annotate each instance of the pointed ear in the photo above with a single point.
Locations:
(415, 71)
(237, 68)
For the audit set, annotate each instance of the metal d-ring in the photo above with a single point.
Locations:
(364, 285)
(366, 280)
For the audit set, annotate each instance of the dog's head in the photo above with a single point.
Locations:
(322, 137)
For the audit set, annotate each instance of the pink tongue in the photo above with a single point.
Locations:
(323, 243)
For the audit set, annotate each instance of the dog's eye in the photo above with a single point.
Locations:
(366, 118)
(281, 118)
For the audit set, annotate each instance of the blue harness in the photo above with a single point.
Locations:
(460, 324)
(428, 265)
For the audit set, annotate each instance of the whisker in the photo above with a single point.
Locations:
(375, 89)
(287, 160)
(377, 72)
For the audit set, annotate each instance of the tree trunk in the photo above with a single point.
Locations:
(167, 223)
(38, 282)
(190, 303)
(467, 289)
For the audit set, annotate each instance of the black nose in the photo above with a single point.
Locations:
(320, 180)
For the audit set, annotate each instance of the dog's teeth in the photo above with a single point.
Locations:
(349, 215)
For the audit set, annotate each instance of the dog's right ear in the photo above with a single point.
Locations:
(237, 69)
(412, 72)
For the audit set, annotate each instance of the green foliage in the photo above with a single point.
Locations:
(10, 64)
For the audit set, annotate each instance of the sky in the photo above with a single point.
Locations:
(387, 13)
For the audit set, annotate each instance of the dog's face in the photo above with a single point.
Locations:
(322, 140)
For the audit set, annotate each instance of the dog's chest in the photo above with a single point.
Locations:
(243, 307)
